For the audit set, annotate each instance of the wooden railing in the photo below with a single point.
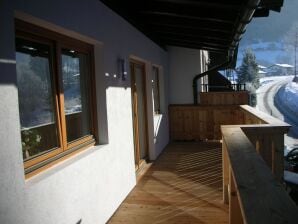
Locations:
(189, 122)
(252, 147)
(224, 98)
(266, 133)
(231, 87)
(252, 191)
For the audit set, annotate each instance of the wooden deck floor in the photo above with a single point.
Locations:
(183, 186)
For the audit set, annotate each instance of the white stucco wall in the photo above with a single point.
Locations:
(91, 185)
(184, 64)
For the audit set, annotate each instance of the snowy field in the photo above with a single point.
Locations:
(290, 96)
(266, 80)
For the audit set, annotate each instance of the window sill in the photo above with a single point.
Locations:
(60, 163)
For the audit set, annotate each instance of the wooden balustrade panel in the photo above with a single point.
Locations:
(176, 123)
(200, 128)
(225, 116)
(189, 122)
(266, 133)
(223, 98)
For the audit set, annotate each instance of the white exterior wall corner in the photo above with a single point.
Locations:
(184, 64)
(91, 185)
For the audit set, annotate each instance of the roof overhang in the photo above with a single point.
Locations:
(213, 25)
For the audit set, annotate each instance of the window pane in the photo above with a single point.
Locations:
(155, 90)
(76, 95)
(36, 102)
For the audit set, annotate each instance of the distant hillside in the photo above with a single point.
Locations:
(266, 35)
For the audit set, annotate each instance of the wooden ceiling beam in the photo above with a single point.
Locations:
(189, 28)
(226, 5)
(274, 5)
(198, 17)
(175, 21)
(198, 33)
(193, 46)
(187, 10)
(195, 42)
(192, 36)
(261, 13)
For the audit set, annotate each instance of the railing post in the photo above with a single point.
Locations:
(278, 156)
(225, 174)
(235, 215)
(269, 143)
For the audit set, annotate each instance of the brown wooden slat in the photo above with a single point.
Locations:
(159, 19)
(183, 186)
(221, 19)
(223, 98)
(188, 27)
(189, 122)
(194, 46)
(228, 5)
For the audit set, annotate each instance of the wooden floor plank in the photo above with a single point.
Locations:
(184, 185)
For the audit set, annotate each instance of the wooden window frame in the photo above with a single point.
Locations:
(57, 42)
(158, 111)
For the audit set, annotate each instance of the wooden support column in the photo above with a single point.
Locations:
(235, 215)
(278, 156)
(225, 173)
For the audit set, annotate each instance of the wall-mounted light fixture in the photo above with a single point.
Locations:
(122, 69)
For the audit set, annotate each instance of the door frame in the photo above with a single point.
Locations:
(139, 161)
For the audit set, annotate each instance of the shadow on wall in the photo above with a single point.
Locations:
(160, 131)
(108, 75)
(8, 71)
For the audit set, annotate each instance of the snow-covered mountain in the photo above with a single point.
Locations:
(272, 38)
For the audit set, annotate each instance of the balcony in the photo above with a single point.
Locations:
(227, 168)
(184, 185)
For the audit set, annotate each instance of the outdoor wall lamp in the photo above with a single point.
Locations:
(122, 69)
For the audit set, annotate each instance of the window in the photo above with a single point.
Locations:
(155, 90)
(56, 94)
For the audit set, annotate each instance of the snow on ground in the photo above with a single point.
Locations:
(287, 94)
(287, 149)
(290, 96)
(291, 177)
(269, 79)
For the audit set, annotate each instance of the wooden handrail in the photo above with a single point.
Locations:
(266, 133)
(224, 98)
(253, 193)
(263, 117)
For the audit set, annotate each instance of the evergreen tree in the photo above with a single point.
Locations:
(248, 71)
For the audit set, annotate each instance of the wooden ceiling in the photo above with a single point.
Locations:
(213, 25)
